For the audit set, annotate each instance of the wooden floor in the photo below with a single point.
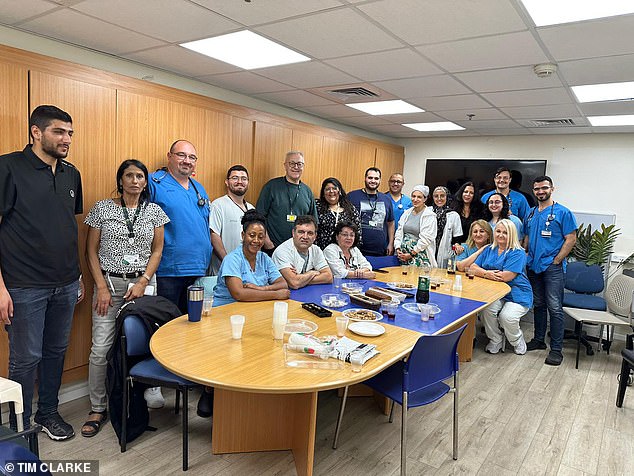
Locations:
(517, 416)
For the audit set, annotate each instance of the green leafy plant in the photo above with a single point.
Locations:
(595, 247)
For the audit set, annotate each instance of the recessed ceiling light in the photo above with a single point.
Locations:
(604, 92)
(245, 49)
(621, 120)
(378, 108)
(549, 12)
(434, 126)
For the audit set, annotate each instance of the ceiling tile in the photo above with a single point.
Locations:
(504, 132)
(338, 110)
(448, 103)
(244, 82)
(486, 53)
(175, 21)
(427, 86)
(12, 12)
(508, 79)
(308, 74)
(607, 108)
(560, 130)
(609, 69)
(295, 98)
(431, 21)
(491, 124)
(88, 32)
(332, 34)
(562, 111)
(365, 120)
(535, 97)
(258, 12)
(480, 115)
(392, 64)
(413, 117)
(604, 37)
(181, 61)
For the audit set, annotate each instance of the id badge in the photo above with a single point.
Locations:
(291, 218)
(131, 259)
(546, 233)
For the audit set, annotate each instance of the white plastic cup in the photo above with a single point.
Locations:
(208, 303)
(424, 313)
(342, 325)
(237, 323)
(336, 281)
(280, 317)
(457, 283)
(356, 360)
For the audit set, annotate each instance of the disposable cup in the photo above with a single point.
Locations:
(237, 323)
(342, 325)
(208, 303)
(356, 360)
(336, 281)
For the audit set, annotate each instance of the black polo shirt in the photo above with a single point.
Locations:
(38, 231)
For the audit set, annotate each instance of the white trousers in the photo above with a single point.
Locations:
(507, 315)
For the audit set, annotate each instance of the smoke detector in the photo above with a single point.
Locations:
(545, 70)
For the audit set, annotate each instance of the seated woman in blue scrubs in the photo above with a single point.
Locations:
(480, 235)
(505, 260)
(248, 274)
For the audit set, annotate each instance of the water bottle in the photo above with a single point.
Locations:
(451, 262)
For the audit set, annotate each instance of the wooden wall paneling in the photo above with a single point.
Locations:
(390, 162)
(14, 114)
(312, 147)
(270, 146)
(360, 157)
(335, 162)
(93, 109)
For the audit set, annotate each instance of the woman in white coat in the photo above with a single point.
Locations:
(449, 226)
(415, 238)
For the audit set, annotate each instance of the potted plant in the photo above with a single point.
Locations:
(595, 247)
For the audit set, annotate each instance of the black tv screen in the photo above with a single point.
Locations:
(453, 173)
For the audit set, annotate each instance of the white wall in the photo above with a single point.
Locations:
(591, 172)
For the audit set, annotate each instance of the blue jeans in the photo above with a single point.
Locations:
(174, 288)
(548, 291)
(38, 338)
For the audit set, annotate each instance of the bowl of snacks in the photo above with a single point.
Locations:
(334, 300)
(351, 287)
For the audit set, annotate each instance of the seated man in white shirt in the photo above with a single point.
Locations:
(299, 260)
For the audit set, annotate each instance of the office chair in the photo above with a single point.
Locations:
(584, 283)
(135, 342)
(15, 460)
(383, 261)
(626, 369)
(418, 381)
(619, 297)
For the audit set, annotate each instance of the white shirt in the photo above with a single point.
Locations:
(427, 235)
(287, 256)
(453, 228)
(334, 257)
(224, 220)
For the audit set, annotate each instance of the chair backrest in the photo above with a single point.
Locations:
(432, 360)
(14, 452)
(207, 282)
(382, 261)
(581, 278)
(137, 336)
(619, 295)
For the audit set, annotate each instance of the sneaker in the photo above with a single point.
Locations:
(55, 427)
(520, 348)
(494, 348)
(535, 344)
(154, 397)
(554, 358)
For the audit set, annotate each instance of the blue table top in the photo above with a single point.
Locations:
(453, 307)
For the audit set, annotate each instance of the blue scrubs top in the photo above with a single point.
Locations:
(235, 264)
(399, 206)
(467, 252)
(514, 261)
(517, 203)
(187, 244)
(542, 248)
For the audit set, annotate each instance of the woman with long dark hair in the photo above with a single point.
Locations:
(333, 206)
(467, 204)
(123, 250)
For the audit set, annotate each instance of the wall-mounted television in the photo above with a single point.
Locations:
(452, 173)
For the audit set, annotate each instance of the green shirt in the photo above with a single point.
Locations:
(280, 198)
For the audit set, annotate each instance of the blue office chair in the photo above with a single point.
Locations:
(383, 261)
(135, 342)
(12, 453)
(418, 381)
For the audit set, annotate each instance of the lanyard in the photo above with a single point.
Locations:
(306, 260)
(376, 198)
(128, 223)
(349, 264)
(291, 202)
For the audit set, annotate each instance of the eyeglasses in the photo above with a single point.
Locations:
(239, 179)
(182, 156)
(502, 179)
(331, 190)
(396, 181)
(537, 189)
(495, 202)
(346, 235)
(296, 165)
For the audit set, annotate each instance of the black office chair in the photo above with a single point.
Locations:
(135, 342)
(624, 378)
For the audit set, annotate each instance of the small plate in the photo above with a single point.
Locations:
(414, 307)
(300, 325)
(350, 314)
(367, 329)
(401, 286)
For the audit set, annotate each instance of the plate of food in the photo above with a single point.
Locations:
(400, 285)
(416, 308)
(351, 288)
(300, 325)
(334, 300)
(367, 329)
(363, 315)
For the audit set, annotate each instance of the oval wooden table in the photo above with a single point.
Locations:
(260, 404)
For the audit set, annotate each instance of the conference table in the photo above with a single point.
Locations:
(260, 403)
